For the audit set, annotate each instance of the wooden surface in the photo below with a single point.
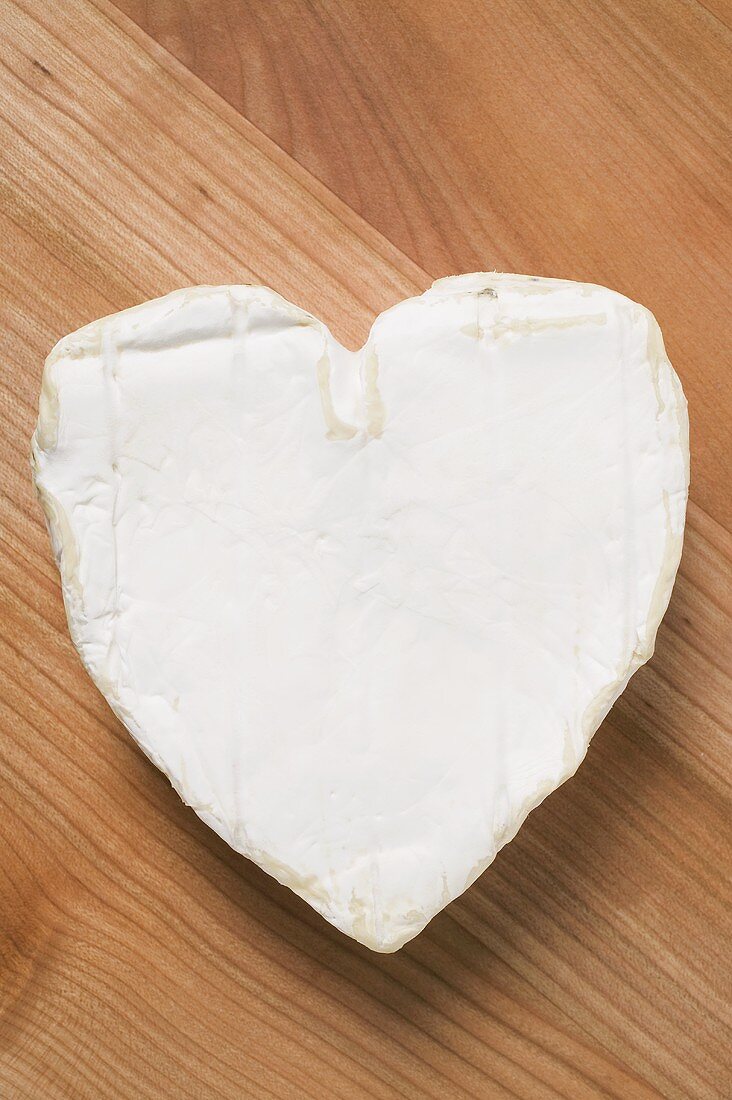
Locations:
(346, 152)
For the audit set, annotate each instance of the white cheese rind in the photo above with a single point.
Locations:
(367, 609)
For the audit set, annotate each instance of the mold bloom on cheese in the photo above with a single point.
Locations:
(366, 609)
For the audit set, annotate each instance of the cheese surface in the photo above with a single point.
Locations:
(366, 609)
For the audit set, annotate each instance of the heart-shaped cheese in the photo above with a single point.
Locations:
(366, 609)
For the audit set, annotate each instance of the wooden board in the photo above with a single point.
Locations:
(347, 153)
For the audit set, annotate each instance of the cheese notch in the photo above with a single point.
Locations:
(366, 609)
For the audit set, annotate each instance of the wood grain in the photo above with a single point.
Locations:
(140, 956)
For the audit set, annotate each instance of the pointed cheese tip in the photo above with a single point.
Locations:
(390, 941)
(363, 919)
(381, 931)
(353, 907)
